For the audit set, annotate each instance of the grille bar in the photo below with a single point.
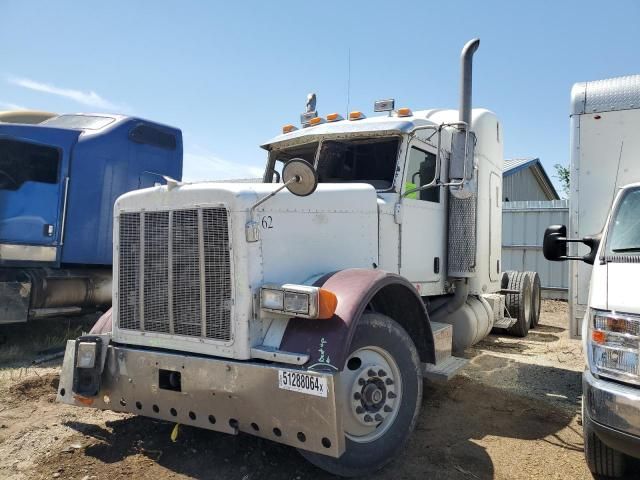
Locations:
(175, 273)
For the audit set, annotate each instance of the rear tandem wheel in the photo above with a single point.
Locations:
(519, 305)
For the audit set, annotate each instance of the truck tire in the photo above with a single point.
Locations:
(536, 298)
(504, 280)
(382, 394)
(601, 459)
(519, 304)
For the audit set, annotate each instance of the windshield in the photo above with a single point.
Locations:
(624, 230)
(362, 160)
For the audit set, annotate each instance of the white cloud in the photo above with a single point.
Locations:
(89, 98)
(12, 106)
(199, 164)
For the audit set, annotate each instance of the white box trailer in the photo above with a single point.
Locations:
(605, 155)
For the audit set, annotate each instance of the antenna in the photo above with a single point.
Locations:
(348, 81)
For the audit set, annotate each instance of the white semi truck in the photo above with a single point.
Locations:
(307, 309)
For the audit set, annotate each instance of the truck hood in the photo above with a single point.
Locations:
(328, 197)
(334, 228)
(622, 289)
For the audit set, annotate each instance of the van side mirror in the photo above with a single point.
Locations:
(593, 242)
(554, 246)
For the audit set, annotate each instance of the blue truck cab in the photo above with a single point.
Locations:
(58, 182)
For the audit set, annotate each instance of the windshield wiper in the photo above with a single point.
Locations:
(626, 249)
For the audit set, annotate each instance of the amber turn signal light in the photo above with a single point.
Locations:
(327, 304)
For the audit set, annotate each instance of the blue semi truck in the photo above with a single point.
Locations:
(59, 180)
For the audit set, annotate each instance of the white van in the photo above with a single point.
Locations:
(610, 333)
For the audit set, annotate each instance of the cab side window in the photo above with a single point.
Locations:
(421, 170)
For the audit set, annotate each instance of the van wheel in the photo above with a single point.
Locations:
(536, 298)
(381, 387)
(601, 459)
(519, 305)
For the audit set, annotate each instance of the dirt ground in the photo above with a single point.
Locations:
(513, 413)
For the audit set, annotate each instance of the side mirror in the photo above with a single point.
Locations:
(593, 242)
(554, 246)
(300, 177)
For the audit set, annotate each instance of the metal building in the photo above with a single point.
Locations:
(525, 179)
(523, 226)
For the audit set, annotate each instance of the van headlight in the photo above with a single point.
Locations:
(298, 301)
(614, 340)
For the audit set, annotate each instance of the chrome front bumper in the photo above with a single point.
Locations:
(222, 395)
(613, 411)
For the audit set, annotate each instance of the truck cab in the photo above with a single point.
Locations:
(58, 182)
(610, 334)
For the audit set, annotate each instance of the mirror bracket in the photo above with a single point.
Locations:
(297, 172)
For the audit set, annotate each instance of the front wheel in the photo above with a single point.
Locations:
(601, 459)
(381, 388)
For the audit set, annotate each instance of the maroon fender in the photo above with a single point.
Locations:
(103, 325)
(328, 341)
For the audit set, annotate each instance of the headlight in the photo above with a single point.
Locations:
(272, 299)
(614, 341)
(86, 357)
(298, 300)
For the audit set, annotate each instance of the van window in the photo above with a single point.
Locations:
(624, 236)
(22, 162)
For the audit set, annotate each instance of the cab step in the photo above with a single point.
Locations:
(443, 371)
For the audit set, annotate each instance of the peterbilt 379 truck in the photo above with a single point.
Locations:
(307, 309)
(59, 178)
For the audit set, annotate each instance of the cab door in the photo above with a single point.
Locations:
(34, 166)
(422, 227)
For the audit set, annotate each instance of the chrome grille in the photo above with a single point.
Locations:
(177, 280)
(129, 274)
(156, 271)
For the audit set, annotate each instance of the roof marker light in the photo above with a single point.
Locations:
(315, 121)
(404, 112)
(288, 128)
(334, 117)
(356, 115)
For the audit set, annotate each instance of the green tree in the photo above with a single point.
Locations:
(562, 174)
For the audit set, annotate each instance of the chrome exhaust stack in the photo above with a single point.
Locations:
(466, 79)
(463, 191)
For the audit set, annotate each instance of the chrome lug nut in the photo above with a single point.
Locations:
(378, 417)
(367, 418)
(361, 381)
(391, 395)
(357, 396)
(387, 408)
(388, 381)
(382, 373)
(359, 410)
(371, 373)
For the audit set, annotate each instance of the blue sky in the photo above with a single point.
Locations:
(230, 74)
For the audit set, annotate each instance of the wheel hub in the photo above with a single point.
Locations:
(373, 396)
